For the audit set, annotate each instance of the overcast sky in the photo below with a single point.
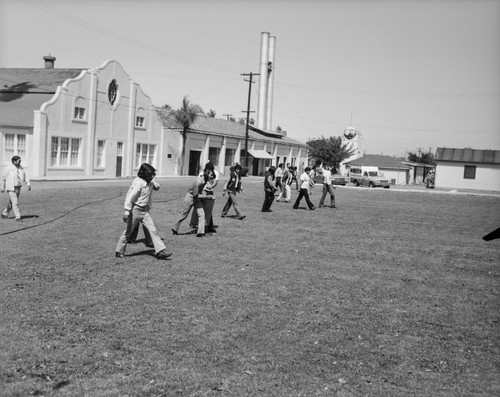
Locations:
(409, 74)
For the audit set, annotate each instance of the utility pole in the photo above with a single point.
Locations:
(250, 82)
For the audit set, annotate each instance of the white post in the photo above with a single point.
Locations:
(263, 70)
(270, 84)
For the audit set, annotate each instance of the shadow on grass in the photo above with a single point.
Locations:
(30, 216)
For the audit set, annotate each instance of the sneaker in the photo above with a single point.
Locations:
(277, 200)
(163, 254)
(174, 232)
(200, 235)
(242, 217)
(313, 208)
(119, 254)
(4, 216)
(19, 219)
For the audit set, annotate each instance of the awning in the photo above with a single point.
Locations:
(260, 154)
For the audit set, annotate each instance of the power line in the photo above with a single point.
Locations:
(135, 43)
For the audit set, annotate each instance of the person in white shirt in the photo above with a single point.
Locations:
(13, 179)
(327, 187)
(137, 205)
(278, 175)
(286, 181)
(305, 182)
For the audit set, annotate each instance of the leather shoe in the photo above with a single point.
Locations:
(242, 217)
(174, 232)
(119, 254)
(163, 254)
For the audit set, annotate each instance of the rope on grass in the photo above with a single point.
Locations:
(61, 216)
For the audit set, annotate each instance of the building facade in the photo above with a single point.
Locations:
(98, 123)
(467, 169)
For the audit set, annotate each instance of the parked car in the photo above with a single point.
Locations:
(337, 179)
(368, 176)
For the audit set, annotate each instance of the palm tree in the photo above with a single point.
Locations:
(186, 116)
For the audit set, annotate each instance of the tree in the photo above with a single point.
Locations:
(186, 116)
(211, 113)
(331, 151)
(424, 158)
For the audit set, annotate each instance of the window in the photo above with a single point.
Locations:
(470, 172)
(75, 152)
(213, 155)
(65, 152)
(79, 113)
(229, 159)
(100, 154)
(119, 149)
(144, 154)
(112, 92)
(14, 144)
(80, 107)
(139, 121)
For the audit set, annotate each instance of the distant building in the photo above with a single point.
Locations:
(98, 123)
(391, 167)
(467, 169)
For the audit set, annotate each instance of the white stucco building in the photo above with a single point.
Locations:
(467, 169)
(98, 123)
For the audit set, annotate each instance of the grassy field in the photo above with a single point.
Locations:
(393, 293)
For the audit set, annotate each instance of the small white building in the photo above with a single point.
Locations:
(467, 169)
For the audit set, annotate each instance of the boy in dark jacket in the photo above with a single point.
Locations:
(233, 186)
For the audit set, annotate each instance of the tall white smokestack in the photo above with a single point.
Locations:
(270, 83)
(263, 70)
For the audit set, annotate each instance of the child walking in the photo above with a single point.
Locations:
(137, 205)
(233, 186)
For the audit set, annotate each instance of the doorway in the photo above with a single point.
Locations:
(119, 159)
(194, 162)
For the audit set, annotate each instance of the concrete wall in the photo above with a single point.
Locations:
(451, 175)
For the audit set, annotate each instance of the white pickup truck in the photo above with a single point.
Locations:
(368, 176)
